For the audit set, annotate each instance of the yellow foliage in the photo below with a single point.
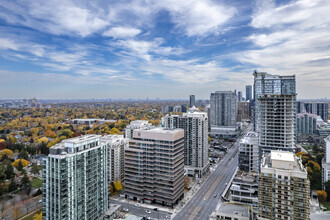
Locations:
(7, 152)
(118, 185)
(322, 195)
(24, 163)
(43, 140)
(114, 131)
(2, 140)
(37, 216)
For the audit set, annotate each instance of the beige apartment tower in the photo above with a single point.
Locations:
(283, 187)
(154, 166)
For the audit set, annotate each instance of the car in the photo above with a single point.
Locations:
(122, 195)
(226, 184)
(215, 195)
(137, 205)
(40, 201)
(148, 211)
(125, 209)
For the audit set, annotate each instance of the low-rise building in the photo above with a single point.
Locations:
(232, 211)
(248, 159)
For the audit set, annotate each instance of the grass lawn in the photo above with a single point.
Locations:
(36, 182)
(326, 204)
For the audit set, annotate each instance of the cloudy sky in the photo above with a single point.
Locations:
(165, 49)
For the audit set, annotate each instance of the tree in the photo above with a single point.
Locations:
(43, 140)
(314, 174)
(322, 195)
(6, 153)
(111, 190)
(12, 186)
(37, 216)
(114, 131)
(23, 155)
(9, 171)
(118, 185)
(186, 182)
(23, 163)
(17, 213)
(35, 169)
(26, 184)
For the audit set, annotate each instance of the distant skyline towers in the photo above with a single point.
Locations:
(314, 107)
(248, 92)
(275, 111)
(239, 96)
(223, 113)
(191, 101)
(195, 126)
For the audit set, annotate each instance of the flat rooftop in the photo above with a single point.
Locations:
(234, 209)
(282, 155)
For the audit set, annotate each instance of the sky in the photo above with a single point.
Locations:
(160, 49)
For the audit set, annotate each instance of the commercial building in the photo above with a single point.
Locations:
(195, 126)
(167, 109)
(275, 111)
(306, 123)
(223, 113)
(192, 101)
(248, 92)
(248, 158)
(284, 188)
(179, 108)
(244, 189)
(76, 179)
(315, 107)
(326, 162)
(117, 145)
(138, 124)
(154, 166)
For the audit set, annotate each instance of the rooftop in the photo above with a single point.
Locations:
(234, 209)
(282, 155)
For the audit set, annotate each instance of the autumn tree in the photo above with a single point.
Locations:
(114, 131)
(6, 153)
(37, 216)
(43, 140)
(186, 182)
(23, 163)
(314, 174)
(322, 195)
(118, 185)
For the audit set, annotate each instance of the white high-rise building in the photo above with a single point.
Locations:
(117, 145)
(138, 124)
(223, 113)
(195, 126)
(248, 159)
(76, 179)
(275, 111)
(326, 162)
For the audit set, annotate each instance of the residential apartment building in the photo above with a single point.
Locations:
(117, 145)
(275, 111)
(239, 96)
(223, 113)
(248, 158)
(243, 111)
(284, 188)
(326, 162)
(306, 123)
(154, 166)
(138, 124)
(76, 179)
(195, 126)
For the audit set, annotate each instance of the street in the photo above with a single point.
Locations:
(208, 196)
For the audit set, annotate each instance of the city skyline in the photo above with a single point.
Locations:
(136, 49)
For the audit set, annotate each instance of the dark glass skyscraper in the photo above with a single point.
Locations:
(191, 101)
(248, 92)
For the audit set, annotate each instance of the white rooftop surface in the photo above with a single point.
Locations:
(282, 155)
(250, 137)
(81, 138)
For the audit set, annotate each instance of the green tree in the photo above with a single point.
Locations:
(20, 165)
(35, 169)
(26, 184)
(9, 171)
(327, 189)
(12, 186)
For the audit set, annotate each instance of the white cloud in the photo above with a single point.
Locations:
(122, 32)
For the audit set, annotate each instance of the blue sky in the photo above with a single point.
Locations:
(165, 49)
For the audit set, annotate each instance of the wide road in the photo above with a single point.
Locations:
(208, 196)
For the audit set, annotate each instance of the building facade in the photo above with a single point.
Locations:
(195, 126)
(284, 188)
(138, 124)
(192, 101)
(306, 123)
(223, 113)
(117, 145)
(248, 158)
(248, 92)
(243, 111)
(76, 179)
(275, 111)
(239, 96)
(314, 107)
(326, 162)
(154, 166)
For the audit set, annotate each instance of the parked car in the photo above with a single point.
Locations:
(148, 211)
(125, 209)
(137, 205)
